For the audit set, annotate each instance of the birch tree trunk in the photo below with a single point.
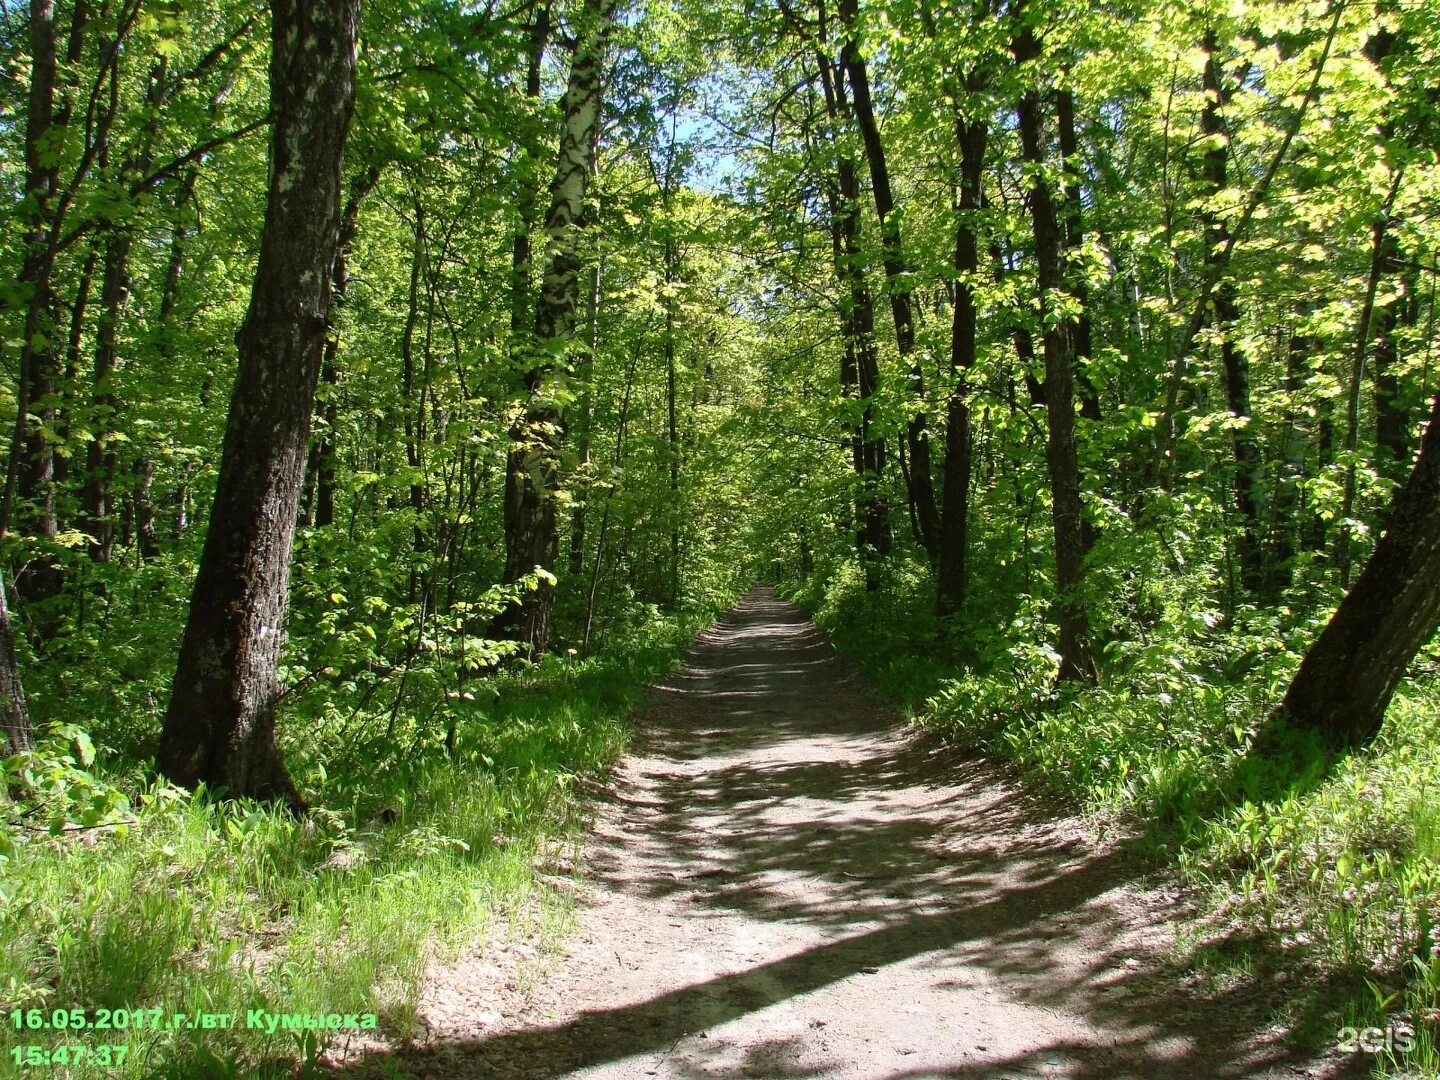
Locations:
(532, 467)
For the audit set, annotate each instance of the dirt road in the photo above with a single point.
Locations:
(782, 883)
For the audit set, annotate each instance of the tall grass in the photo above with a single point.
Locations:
(187, 904)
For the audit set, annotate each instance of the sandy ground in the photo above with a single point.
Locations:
(781, 882)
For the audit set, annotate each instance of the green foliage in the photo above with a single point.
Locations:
(189, 904)
(706, 422)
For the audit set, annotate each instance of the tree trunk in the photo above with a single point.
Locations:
(917, 434)
(520, 255)
(165, 348)
(98, 501)
(1346, 680)
(672, 425)
(99, 455)
(1080, 337)
(1286, 530)
(145, 534)
(860, 362)
(1364, 325)
(34, 486)
(1226, 315)
(587, 422)
(324, 514)
(532, 465)
(413, 410)
(1076, 661)
(1392, 419)
(14, 716)
(954, 531)
(72, 365)
(220, 724)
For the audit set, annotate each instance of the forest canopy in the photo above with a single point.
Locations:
(366, 366)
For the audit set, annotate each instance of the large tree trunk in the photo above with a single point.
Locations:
(220, 725)
(532, 466)
(954, 529)
(1347, 678)
(1071, 545)
(917, 434)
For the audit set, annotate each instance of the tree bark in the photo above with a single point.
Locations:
(100, 456)
(971, 134)
(860, 372)
(325, 446)
(1081, 346)
(1071, 546)
(71, 377)
(35, 477)
(14, 715)
(1346, 680)
(532, 465)
(1392, 419)
(672, 424)
(1364, 325)
(220, 725)
(520, 255)
(917, 434)
(1245, 449)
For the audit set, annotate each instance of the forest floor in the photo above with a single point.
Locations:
(782, 881)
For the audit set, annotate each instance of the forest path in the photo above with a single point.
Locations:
(783, 883)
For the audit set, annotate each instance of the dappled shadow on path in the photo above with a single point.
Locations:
(768, 791)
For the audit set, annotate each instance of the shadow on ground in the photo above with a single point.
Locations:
(766, 783)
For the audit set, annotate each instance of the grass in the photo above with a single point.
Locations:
(1334, 873)
(187, 904)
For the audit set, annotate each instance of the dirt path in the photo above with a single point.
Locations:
(783, 884)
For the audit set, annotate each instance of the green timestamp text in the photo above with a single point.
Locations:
(103, 1054)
